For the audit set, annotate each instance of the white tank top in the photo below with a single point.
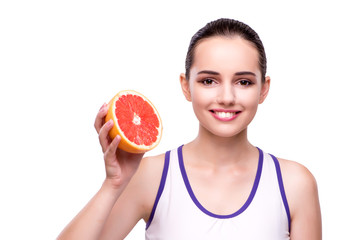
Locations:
(177, 214)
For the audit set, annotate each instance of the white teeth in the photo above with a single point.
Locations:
(225, 114)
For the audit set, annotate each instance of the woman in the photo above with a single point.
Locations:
(219, 186)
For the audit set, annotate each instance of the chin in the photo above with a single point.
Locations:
(227, 133)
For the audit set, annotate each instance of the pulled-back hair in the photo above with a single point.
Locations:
(227, 28)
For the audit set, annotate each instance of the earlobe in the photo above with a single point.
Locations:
(265, 89)
(185, 87)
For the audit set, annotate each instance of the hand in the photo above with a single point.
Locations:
(120, 166)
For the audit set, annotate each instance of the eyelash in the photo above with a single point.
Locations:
(206, 81)
(245, 82)
(209, 81)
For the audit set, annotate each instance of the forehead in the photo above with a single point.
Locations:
(226, 53)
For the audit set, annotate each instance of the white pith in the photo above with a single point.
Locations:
(136, 120)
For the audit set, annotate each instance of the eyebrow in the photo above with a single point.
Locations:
(237, 73)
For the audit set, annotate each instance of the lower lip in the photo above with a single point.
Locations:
(225, 119)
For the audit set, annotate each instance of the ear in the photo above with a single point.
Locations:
(185, 87)
(265, 89)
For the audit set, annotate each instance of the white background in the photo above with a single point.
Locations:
(61, 60)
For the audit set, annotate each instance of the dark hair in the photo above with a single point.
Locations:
(227, 28)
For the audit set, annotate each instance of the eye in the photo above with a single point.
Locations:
(207, 81)
(244, 82)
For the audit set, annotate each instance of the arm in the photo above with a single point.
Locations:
(90, 220)
(137, 200)
(302, 193)
(120, 166)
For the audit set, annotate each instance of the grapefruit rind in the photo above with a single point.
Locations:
(126, 144)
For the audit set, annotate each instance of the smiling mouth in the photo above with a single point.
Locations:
(225, 114)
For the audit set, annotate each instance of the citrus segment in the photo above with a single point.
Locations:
(136, 120)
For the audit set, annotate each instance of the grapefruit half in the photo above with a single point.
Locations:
(136, 120)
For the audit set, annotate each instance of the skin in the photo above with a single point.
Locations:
(225, 77)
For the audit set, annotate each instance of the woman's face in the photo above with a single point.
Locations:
(225, 85)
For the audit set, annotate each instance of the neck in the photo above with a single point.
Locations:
(221, 151)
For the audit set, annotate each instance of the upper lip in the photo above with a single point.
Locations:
(225, 110)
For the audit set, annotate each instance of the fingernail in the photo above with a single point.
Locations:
(110, 122)
(102, 106)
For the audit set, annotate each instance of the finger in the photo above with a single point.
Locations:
(104, 134)
(99, 120)
(111, 151)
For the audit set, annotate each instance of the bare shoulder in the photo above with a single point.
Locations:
(302, 195)
(150, 169)
(136, 201)
(297, 178)
(152, 162)
(146, 181)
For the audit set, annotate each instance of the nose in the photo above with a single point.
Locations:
(226, 95)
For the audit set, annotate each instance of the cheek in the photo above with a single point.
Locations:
(249, 99)
(250, 103)
(200, 96)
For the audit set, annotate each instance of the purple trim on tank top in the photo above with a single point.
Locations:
(282, 189)
(198, 204)
(161, 188)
